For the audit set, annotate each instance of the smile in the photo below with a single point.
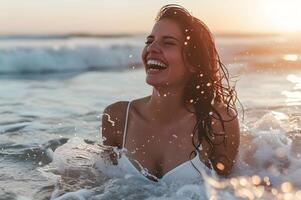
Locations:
(155, 65)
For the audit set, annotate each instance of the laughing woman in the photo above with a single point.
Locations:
(189, 122)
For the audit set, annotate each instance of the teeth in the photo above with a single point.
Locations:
(155, 70)
(156, 62)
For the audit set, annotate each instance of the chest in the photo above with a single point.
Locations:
(159, 148)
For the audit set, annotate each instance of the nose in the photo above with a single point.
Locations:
(153, 47)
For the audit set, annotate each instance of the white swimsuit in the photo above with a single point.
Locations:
(184, 171)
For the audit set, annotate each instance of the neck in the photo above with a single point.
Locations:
(166, 104)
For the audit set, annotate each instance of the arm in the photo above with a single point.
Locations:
(112, 124)
(225, 150)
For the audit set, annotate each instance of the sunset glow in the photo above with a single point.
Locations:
(64, 16)
(284, 16)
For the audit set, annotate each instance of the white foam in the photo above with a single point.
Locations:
(67, 59)
(265, 151)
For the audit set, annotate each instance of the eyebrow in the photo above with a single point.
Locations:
(164, 37)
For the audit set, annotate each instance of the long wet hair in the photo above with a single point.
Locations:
(209, 84)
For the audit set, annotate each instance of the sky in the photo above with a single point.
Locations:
(137, 16)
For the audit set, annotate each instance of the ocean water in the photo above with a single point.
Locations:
(54, 88)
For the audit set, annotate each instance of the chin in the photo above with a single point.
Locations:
(155, 83)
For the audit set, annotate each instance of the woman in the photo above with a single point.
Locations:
(190, 114)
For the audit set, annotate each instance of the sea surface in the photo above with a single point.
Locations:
(53, 89)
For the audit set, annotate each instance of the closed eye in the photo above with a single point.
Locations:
(165, 43)
(169, 43)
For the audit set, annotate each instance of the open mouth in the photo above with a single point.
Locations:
(155, 65)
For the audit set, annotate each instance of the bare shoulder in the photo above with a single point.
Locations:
(226, 112)
(225, 125)
(225, 119)
(113, 119)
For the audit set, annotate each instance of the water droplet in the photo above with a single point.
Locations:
(220, 166)
(266, 179)
(188, 37)
(290, 57)
(198, 87)
(174, 135)
(208, 84)
(256, 180)
(243, 182)
(234, 182)
(286, 187)
(274, 191)
(130, 56)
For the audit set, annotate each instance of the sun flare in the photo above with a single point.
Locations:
(284, 16)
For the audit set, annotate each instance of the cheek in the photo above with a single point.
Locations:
(143, 54)
(177, 61)
(179, 69)
(176, 56)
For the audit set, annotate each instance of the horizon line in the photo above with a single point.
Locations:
(121, 34)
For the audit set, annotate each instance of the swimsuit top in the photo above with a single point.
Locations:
(184, 171)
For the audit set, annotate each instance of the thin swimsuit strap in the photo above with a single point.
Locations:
(126, 124)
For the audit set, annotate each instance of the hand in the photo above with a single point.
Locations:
(109, 154)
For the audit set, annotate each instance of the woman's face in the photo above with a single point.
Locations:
(162, 55)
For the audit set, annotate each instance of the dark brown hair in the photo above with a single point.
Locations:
(210, 84)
